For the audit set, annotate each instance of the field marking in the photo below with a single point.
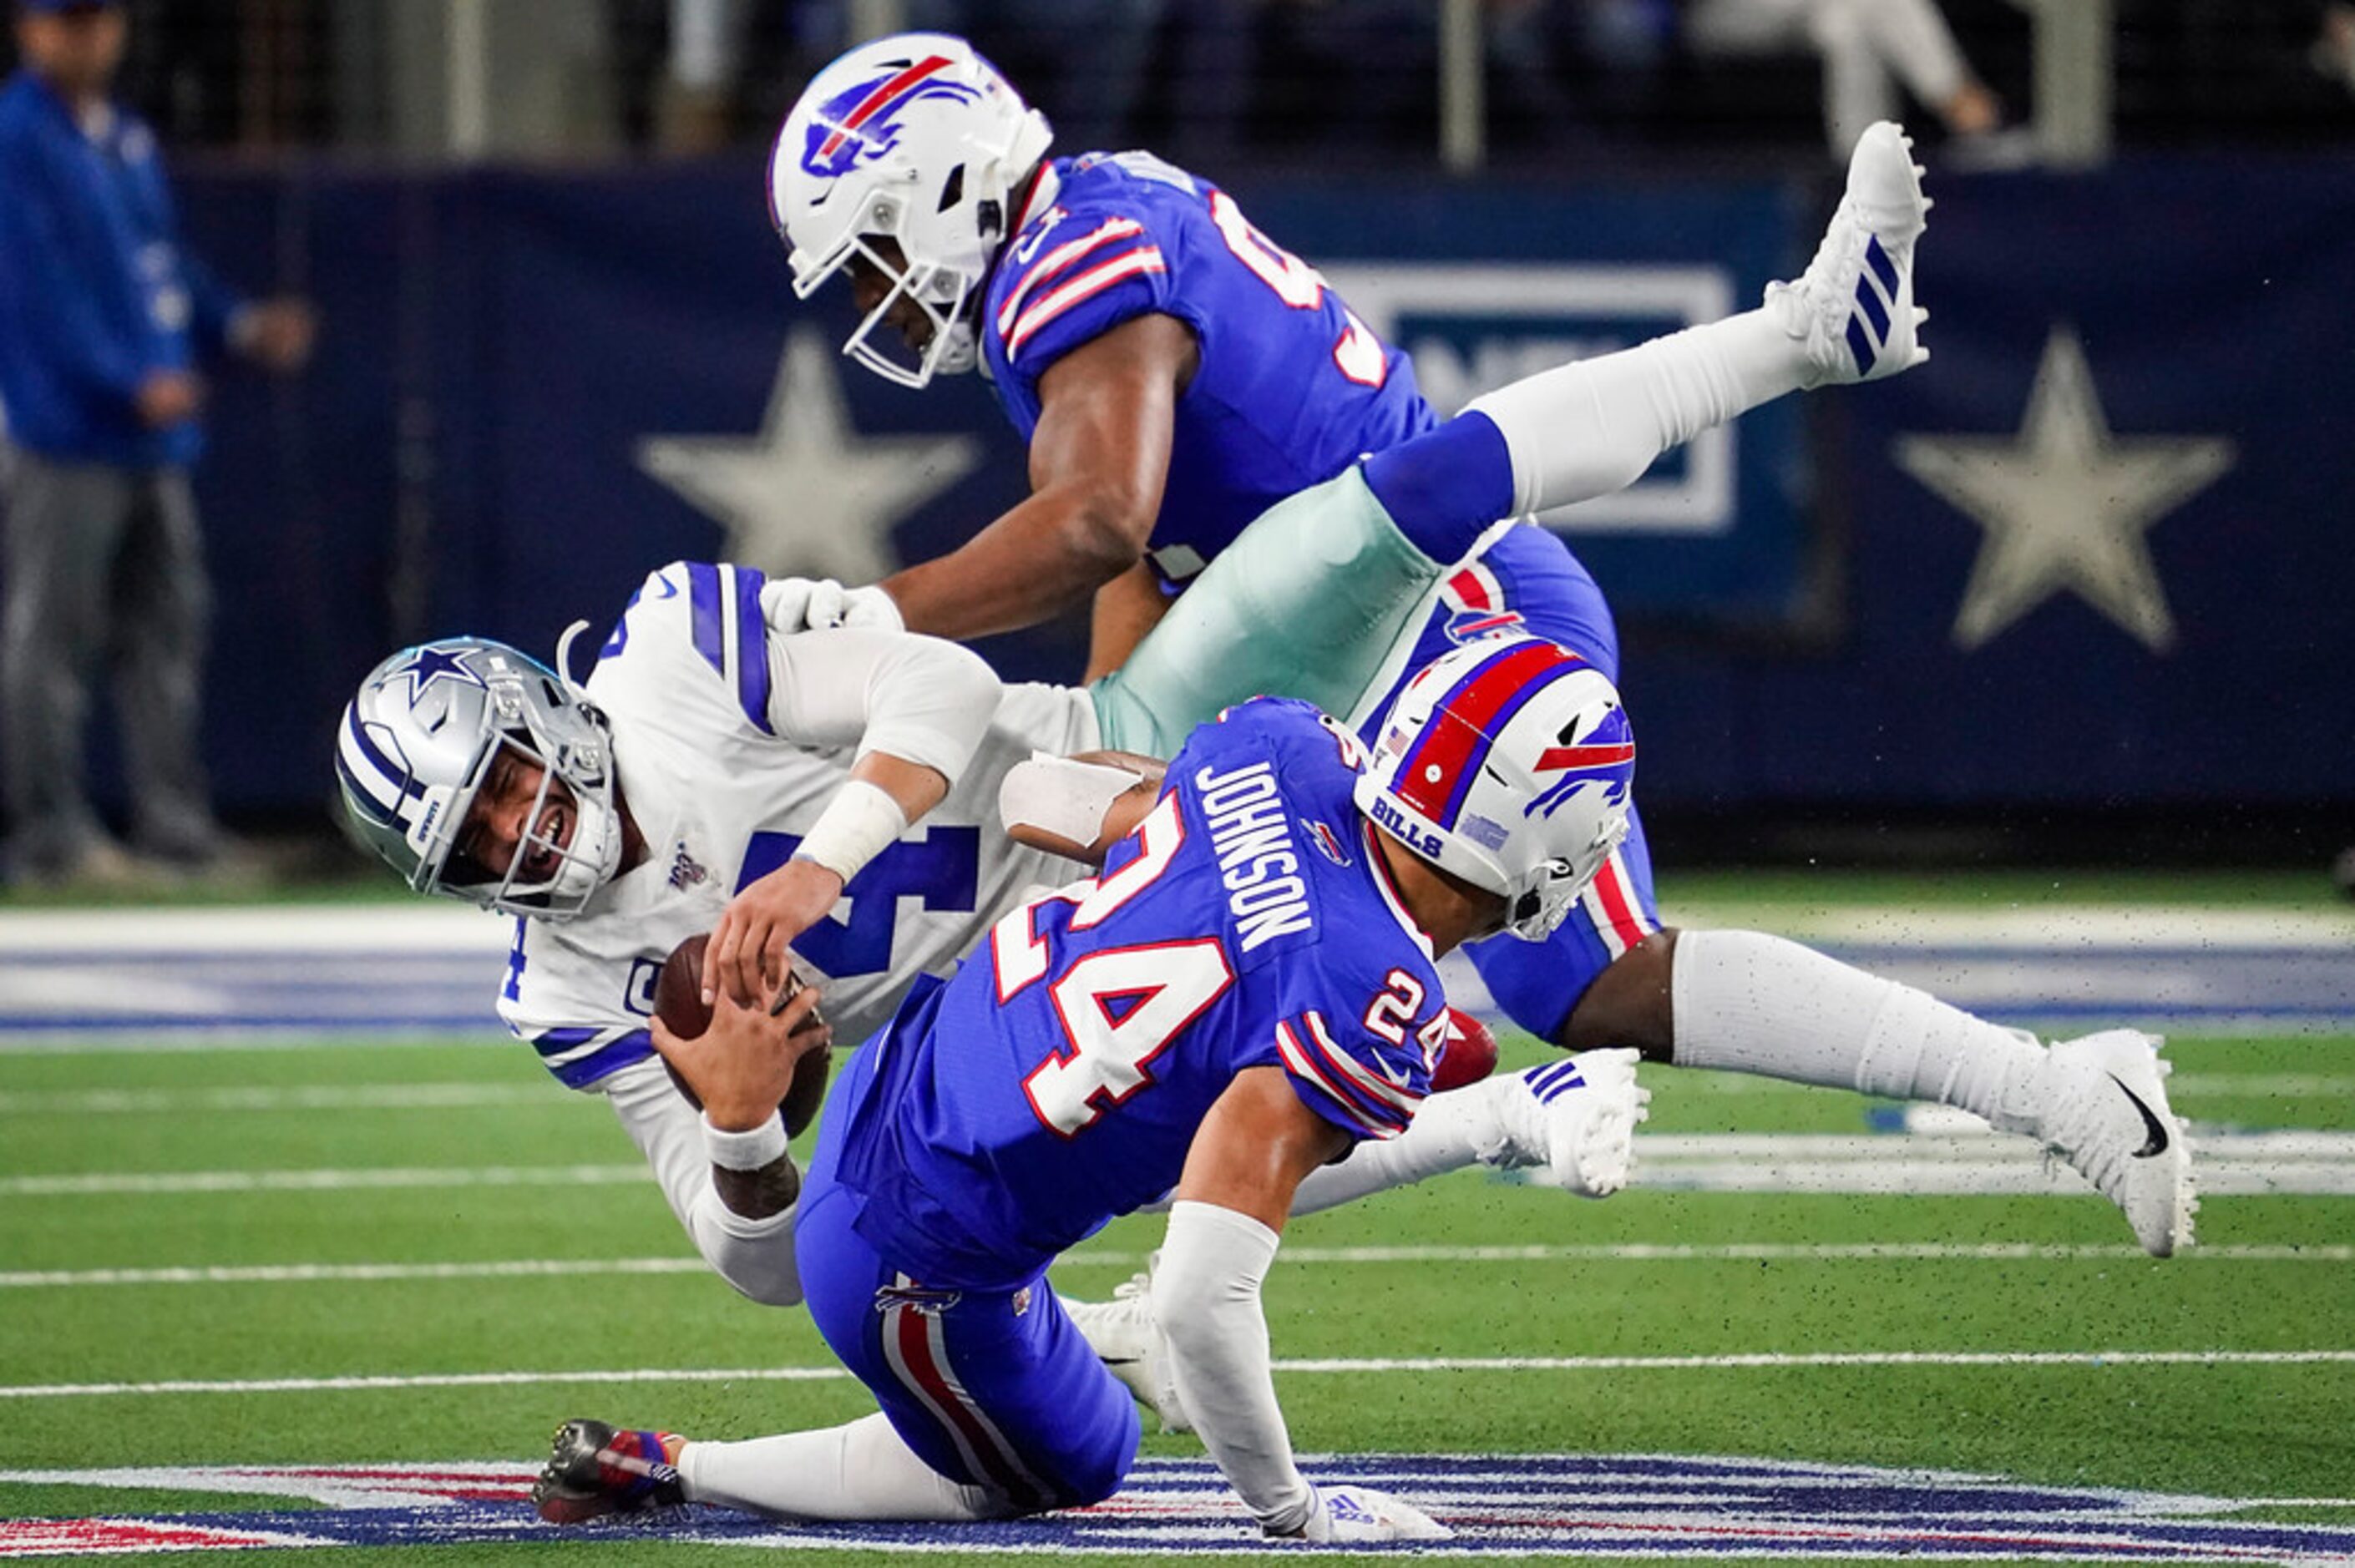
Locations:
(2283, 1162)
(2270, 1085)
(1351, 1367)
(304, 1097)
(1619, 1251)
(440, 1095)
(89, 1185)
(395, 927)
(228, 1035)
(412, 925)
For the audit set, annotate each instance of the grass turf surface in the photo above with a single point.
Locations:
(2229, 1430)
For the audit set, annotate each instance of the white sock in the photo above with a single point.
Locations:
(1449, 1132)
(1749, 1002)
(861, 1471)
(1592, 428)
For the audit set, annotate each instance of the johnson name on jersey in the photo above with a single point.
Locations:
(1059, 1079)
(730, 739)
(1292, 386)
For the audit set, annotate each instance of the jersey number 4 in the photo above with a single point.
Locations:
(941, 869)
(1119, 1007)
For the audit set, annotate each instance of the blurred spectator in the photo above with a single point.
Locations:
(101, 316)
(1868, 46)
(2333, 50)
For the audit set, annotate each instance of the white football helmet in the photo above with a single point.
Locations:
(917, 139)
(1506, 762)
(417, 742)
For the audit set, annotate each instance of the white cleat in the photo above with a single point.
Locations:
(1125, 1336)
(2106, 1113)
(1576, 1117)
(1854, 305)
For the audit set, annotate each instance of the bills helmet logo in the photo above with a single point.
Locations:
(862, 124)
(1471, 625)
(1605, 755)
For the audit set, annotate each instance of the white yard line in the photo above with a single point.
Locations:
(1352, 1367)
(399, 925)
(320, 1181)
(2051, 928)
(2232, 1164)
(409, 926)
(443, 1096)
(217, 1039)
(1623, 1252)
(301, 1098)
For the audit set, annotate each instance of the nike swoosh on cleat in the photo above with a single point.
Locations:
(2156, 1143)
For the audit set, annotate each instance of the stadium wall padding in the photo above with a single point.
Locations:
(500, 345)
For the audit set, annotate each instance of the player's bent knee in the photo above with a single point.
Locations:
(1629, 1003)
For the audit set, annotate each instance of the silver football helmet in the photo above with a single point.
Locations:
(425, 733)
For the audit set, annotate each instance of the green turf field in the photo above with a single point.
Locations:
(478, 1160)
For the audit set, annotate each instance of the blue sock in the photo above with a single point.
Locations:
(1443, 488)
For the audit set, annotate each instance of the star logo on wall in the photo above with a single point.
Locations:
(807, 495)
(2065, 504)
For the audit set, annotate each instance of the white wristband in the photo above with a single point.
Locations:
(857, 825)
(764, 1145)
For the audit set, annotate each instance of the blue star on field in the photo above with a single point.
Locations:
(428, 666)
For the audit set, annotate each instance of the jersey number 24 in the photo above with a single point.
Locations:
(1120, 1008)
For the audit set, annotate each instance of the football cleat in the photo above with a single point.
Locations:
(593, 1469)
(1125, 1336)
(2104, 1111)
(1854, 305)
(1576, 1117)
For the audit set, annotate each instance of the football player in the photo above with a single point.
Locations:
(837, 791)
(1173, 370)
(1244, 992)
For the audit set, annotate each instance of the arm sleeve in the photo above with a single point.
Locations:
(916, 698)
(1206, 1297)
(756, 1256)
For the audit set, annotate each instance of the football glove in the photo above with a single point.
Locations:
(816, 604)
(1354, 1515)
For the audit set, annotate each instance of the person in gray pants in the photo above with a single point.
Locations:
(102, 318)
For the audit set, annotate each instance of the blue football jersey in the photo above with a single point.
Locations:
(1293, 388)
(1058, 1078)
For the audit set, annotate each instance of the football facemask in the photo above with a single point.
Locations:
(1506, 763)
(918, 140)
(421, 737)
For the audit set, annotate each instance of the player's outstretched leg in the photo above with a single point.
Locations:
(1745, 1001)
(595, 1469)
(1854, 305)
(2103, 1108)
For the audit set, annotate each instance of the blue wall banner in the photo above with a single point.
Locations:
(2092, 553)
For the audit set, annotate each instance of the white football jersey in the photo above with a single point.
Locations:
(729, 740)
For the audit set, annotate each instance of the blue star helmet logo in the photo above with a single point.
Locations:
(427, 665)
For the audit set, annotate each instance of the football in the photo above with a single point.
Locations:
(1469, 1055)
(678, 990)
(679, 1002)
